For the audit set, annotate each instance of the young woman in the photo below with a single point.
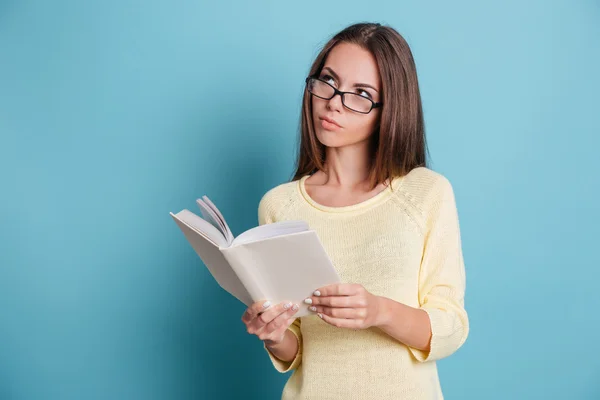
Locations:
(387, 221)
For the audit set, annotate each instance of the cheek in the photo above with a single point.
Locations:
(363, 125)
(317, 106)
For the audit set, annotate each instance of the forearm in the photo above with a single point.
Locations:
(406, 324)
(287, 349)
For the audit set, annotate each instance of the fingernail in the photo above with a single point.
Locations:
(295, 307)
(308, 301)
(320, 315)
(317, 293)
(266, 304)
(312, 308)
(286, 306)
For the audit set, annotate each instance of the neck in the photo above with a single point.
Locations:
(348, 166)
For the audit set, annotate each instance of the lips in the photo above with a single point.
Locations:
(331, 121)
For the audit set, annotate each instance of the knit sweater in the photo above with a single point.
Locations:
(404, 244)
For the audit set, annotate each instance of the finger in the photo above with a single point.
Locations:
(338, 301)
(254, 310)
(347, 313)
(340, 322)
(339, 289)
(280, 322)
(269, 315)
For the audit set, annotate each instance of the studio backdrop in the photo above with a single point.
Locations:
(114, 113)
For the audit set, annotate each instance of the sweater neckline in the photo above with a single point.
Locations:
(372, 201)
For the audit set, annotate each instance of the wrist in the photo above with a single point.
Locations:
(274, 344)
(382, 316)
(271, 344)
(393, 315)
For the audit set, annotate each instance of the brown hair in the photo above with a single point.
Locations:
(398, 144)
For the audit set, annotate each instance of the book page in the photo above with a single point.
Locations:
(284, 268)
(209, 215)
(270, 230)
(215, 262)
(203, 227)
(228, 234)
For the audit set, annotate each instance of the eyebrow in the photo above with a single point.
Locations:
(337, 78)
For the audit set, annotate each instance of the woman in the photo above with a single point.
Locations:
(388, 222)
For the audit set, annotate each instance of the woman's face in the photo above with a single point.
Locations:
(348, 68)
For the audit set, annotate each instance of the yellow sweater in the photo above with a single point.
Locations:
(403, 244)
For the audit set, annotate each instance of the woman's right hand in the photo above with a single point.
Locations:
(269, 322)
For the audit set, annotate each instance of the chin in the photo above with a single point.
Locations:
(335, 139)
(330, 139)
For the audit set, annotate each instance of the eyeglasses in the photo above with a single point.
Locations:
(350, 100)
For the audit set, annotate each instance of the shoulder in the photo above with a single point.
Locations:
(422, 191)
(422, 184)
(276, 201)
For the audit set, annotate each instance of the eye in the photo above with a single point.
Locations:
(328, 78)
(364, 93)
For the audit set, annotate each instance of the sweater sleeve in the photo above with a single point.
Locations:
(266, 216)
(442, 277)
(265, 210)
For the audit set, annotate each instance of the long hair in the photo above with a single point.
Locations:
(398, 144)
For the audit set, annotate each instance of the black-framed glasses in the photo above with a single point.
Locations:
(350, 100)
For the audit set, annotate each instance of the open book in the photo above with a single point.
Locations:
(282, 261)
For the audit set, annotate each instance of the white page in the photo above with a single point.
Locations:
(203, 227)
(209, 215)
(269, 230)
(229, 235)
(283, 268)
(215, 262)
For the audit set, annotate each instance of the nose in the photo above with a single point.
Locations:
(335, 103)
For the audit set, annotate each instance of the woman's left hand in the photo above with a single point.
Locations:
(346, 306)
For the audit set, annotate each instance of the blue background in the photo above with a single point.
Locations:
(113, 113)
